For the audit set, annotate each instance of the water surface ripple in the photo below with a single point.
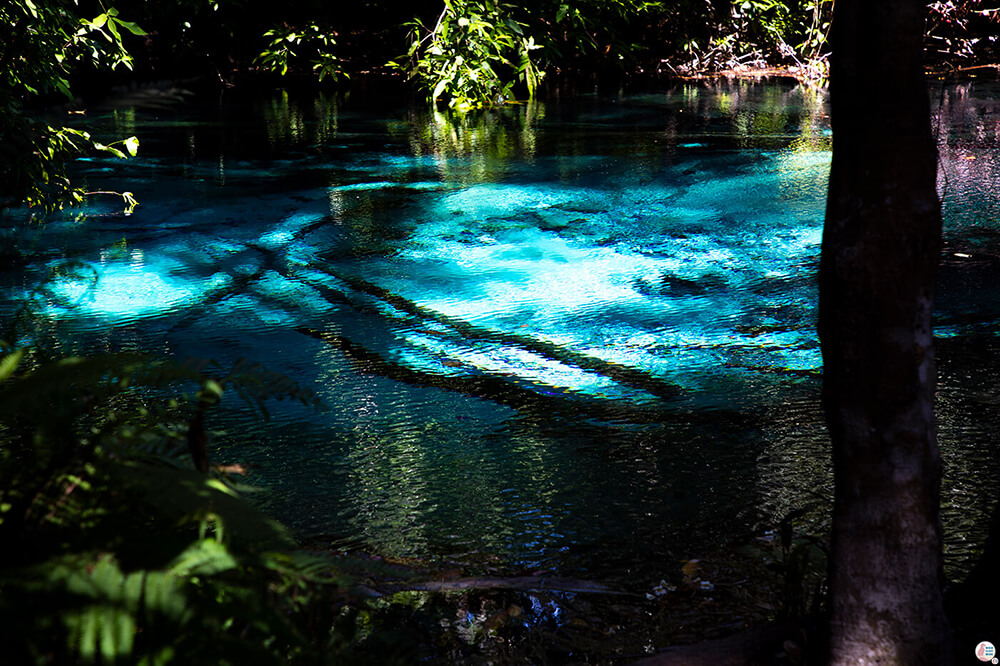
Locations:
(575, 335)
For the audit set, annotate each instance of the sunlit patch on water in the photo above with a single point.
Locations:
(126, 288)
(671, 280)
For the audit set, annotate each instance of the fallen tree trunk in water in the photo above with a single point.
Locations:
(527, 583)
(623, 374)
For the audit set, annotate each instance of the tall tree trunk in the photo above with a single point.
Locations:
(881, 242)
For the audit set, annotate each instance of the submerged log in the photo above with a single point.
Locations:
(489, 386)
(622, 374)
(526, 583)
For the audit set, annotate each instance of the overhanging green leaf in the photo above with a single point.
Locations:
(205, 557)
(8, 364)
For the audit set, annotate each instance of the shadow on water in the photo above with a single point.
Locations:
(570, 334)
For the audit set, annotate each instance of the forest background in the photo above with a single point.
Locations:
(468, 54)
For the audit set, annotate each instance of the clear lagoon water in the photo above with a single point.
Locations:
(576, 334)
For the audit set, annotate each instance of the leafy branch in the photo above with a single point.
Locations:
(128, 553)
(473, 56)
(289, 44)
(42, 44)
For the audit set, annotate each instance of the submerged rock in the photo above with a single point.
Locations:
(676, 286)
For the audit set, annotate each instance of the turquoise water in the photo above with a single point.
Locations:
(576, 334)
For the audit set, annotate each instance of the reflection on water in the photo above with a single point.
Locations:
(574, 334)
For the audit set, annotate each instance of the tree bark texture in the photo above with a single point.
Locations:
(881, 243)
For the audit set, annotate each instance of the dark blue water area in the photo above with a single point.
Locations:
(576, 334)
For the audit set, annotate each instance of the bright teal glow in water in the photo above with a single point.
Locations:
(578, 336)
(128, 288)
